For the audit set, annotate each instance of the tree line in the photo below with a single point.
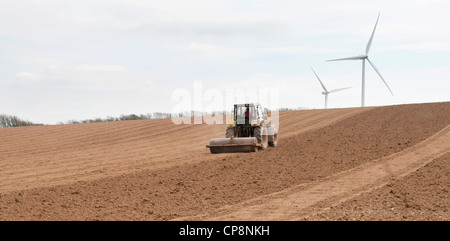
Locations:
(148, 116)
(13, 121)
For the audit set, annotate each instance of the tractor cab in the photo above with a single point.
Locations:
(249, 114)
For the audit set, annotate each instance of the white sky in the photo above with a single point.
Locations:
(63, 60)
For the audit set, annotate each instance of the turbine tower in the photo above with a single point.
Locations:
(365, 57)
(326, 92)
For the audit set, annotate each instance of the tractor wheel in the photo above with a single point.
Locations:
(230, 132)
(274, 141)
(262, 137)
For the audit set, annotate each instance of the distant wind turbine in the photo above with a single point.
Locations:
(326, 92)
(365, 57)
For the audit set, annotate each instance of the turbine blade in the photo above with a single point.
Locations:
(336, 90)
(323, 86)
(379, 74)
(371, 37)
(350, 58)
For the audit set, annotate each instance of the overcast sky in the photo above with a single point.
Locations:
(63, 60)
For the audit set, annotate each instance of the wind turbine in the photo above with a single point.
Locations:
(365, 57)
(326, 92)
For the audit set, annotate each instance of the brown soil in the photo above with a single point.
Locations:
(49, 155)
(303, 200)
(154, 170)
(423, 195)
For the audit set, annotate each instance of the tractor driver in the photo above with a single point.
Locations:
(248, 113)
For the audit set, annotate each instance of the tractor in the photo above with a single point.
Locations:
(248, 131)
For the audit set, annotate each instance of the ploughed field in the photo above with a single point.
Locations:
(376, 163)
